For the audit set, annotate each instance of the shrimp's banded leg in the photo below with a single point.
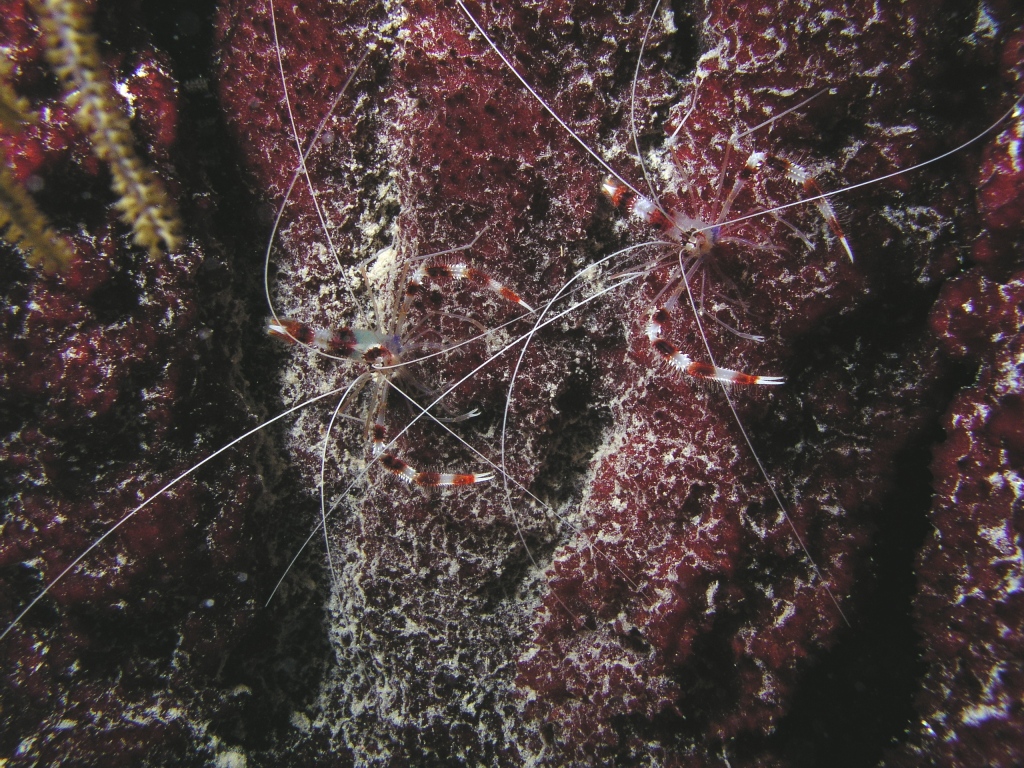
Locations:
(639, 207)
(686, 365)
(401, 468)
(805, 180)
(409, 474)
(431, 479)
(343, 342)
(455, 269)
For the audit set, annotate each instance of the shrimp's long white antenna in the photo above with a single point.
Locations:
(446, 251)
(753, 452)
(301, 169)
(540, 100)
(110, 531)
(671, 140)
(737, 136)
(295, 132)
(632, 106)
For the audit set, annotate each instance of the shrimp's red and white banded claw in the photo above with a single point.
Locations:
(641, 208)
(429, 479)
(697, 237)
(455, 269)
(686, 365)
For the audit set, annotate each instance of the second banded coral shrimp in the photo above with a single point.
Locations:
(750, 587)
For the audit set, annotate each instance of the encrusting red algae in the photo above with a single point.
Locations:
(677, 621)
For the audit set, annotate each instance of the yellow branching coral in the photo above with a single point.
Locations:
(73, 51)
(14, 110)
(21, 220)
(27, 227)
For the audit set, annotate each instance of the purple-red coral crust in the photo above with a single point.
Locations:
(111, 389)
(635, 594)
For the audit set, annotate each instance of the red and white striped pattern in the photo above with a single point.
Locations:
(454, 269)
(429, 479)
(690, 367)
(381, 351)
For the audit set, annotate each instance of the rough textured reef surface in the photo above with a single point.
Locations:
(678, 619)
(969, 602)
(118, 374)
(660, 610)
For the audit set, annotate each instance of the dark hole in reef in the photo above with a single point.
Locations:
(634, 640)
(859, 698)
(24, 579)
(117, 299)
(575, 435)
(698, 501)
(686, 45)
